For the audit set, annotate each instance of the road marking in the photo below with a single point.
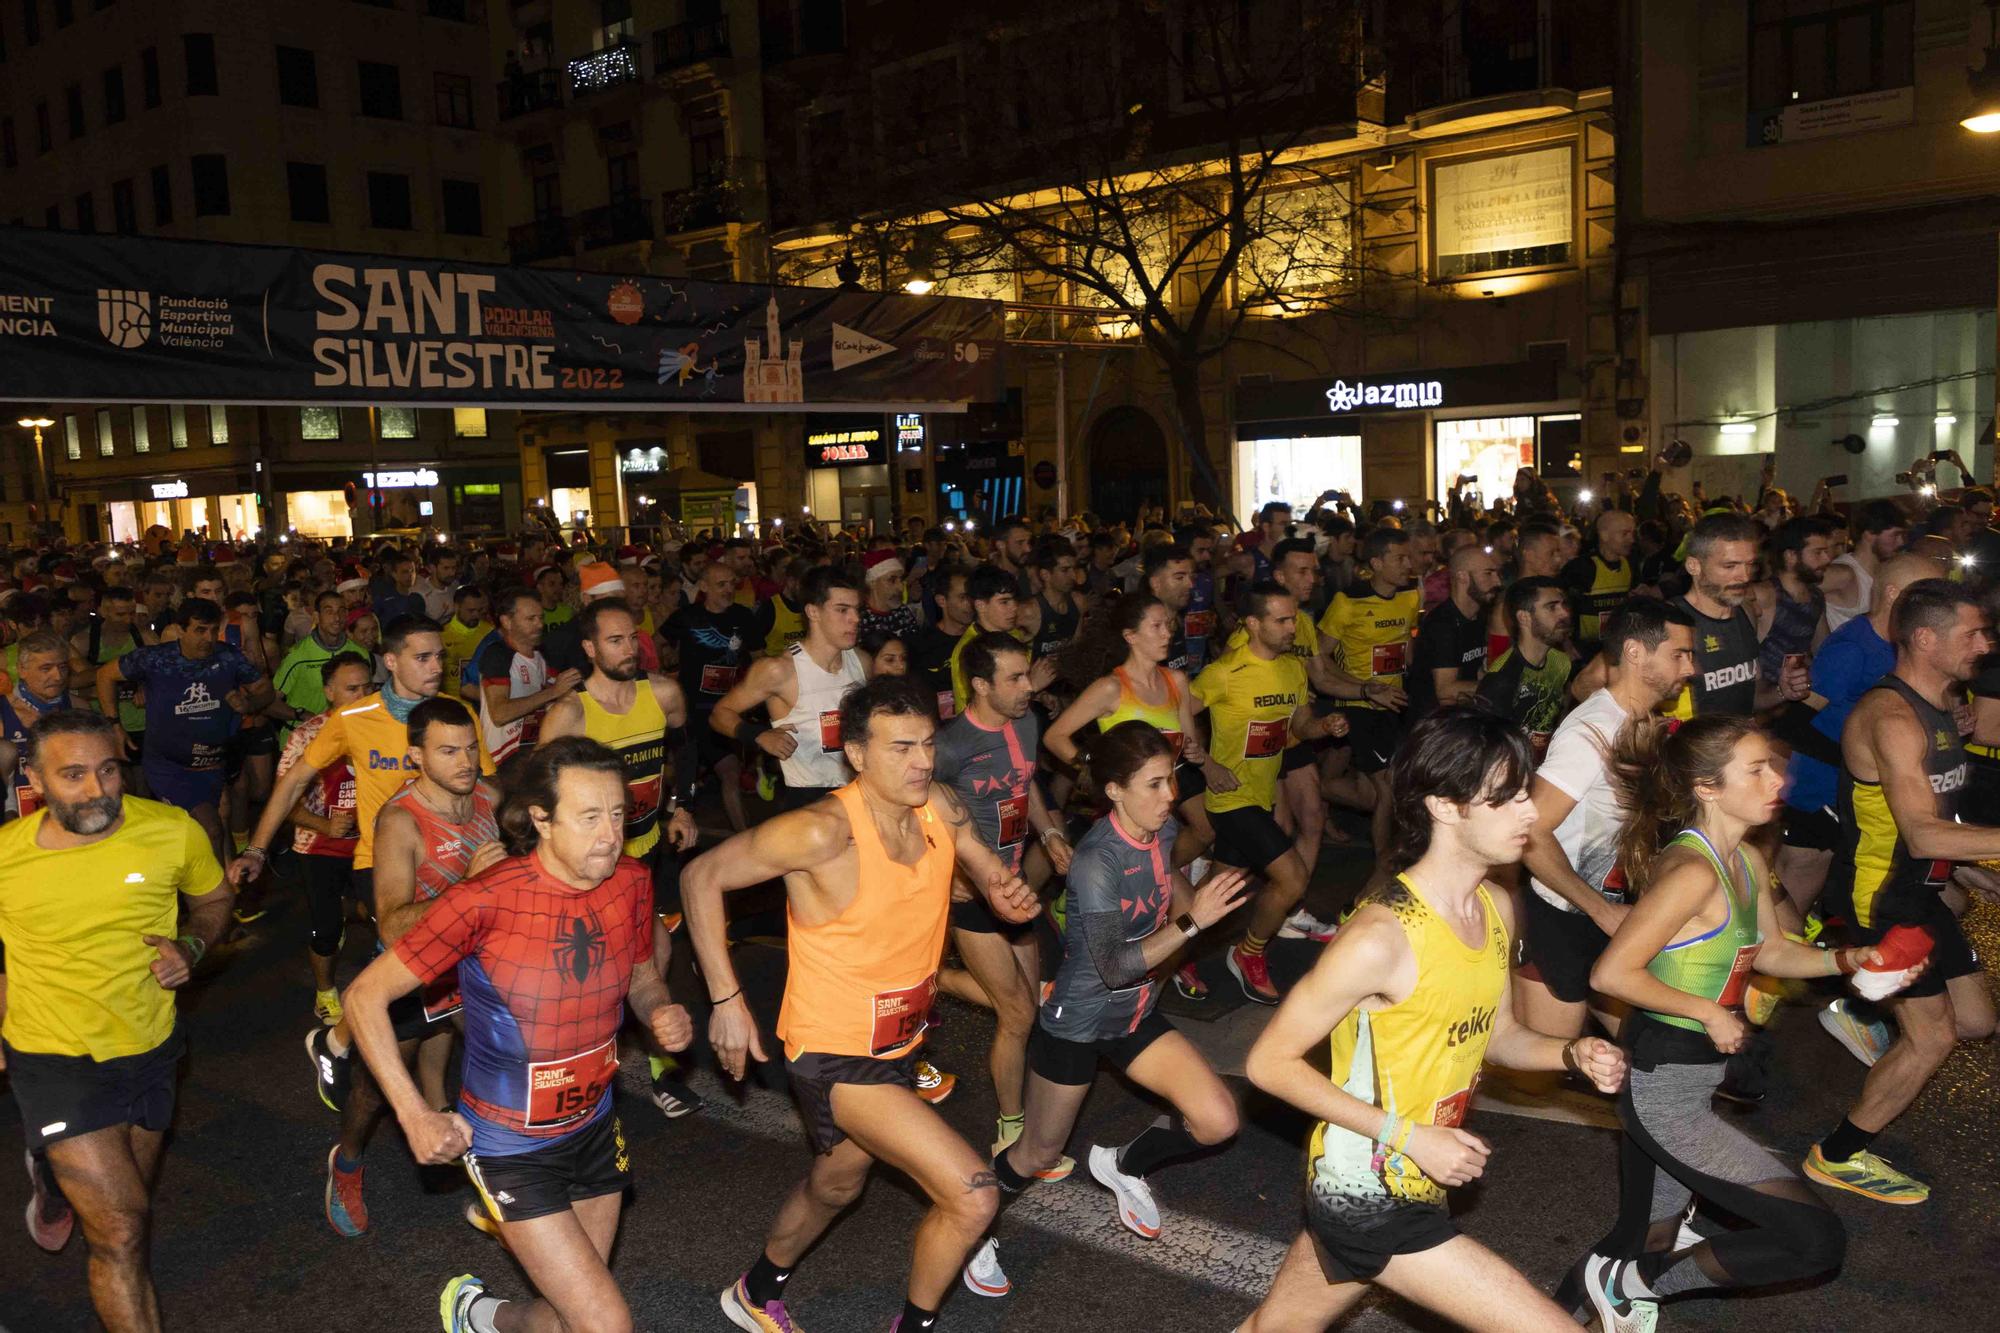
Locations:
(1076, 1209)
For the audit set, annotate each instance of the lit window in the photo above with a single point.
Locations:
(142, 435)
(468, 423)
(399, 423)
(319, 423)
(218, 424)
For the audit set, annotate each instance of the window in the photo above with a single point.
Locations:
(124, 208)
(9, 157)
(149, 76)
(1502, 212)
(468, 423)
(177, 426)
(307, 182)
(86, 213)
(72, 438)
(708, 153)
(163, 197)
(389, 200)
(461, 209)
(454, 101)
(73, 105)
(218, 424)
(298, 77)
(211, 184)
(1806, 51)
(106, 440)
(622, 173)
(1489, 451)
(381, 91)
(319, 423)
(142, 434)
(31, 29)
(199, 49)
(114, 95)
(548, 197)
(45, 138)
(398, 423)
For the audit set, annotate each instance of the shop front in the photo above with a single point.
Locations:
(847, 471)
(217, 505)
(980, 460)
(1405, 434)
(328, 503)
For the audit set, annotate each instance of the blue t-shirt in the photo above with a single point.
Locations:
(1848, 664)
(468, 675)
(188, 720)
(1198, 621)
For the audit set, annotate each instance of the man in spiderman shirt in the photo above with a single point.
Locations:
(550, 946)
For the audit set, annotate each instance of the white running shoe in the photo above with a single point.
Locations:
(983, 1274)
(1303, 925)
(1865, 1041)
(1136, 1208)
(1197, 870)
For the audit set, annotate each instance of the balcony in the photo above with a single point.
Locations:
(528, 91)
(617, 223)
(544, 238)
(1496, 72)
(699, 208)
(690, 43)
(604, 69)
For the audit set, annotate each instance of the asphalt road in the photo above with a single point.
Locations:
(241, 1243)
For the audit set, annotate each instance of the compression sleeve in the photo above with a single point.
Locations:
(1793, 726)
(1094, 905)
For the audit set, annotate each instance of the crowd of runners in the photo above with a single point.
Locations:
(1627, 777)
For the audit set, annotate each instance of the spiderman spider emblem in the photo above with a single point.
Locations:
(580, 947)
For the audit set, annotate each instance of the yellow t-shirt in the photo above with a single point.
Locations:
(1372, 634)
(377, 747)
(79, 972)
(1250, 705)
(459, 641)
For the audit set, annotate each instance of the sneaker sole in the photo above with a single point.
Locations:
(1125, 1213)
(1250, 992)
(319, 1084)
(935, 1097)
(344, 1235)
(978, 1288)
(1593, 1291)
(1838, 1031)
(39, 1232)
(446, 1300)
(733, 1311)
(1834, 1182)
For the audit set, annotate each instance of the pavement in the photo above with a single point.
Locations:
(240, 1241)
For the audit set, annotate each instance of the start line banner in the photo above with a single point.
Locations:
(137, 319)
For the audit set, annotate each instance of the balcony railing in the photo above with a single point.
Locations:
(699, 208)
(604, 69)
(526, 91)
(689, 43)
(617, 223)
(544, 238)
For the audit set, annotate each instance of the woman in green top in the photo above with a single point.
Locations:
(1705, 918)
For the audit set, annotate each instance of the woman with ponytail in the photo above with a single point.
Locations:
(1706, 916)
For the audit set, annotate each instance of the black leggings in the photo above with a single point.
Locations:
(328, 880)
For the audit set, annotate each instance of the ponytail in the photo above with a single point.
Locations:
(1655, 768)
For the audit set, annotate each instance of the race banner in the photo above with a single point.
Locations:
(136, 319)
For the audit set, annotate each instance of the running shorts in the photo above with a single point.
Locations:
(798, 798)
(1559, 948)
(814, 1076)
(666, 865)
(1373, 734)
(976, 916)
(1952, 954)
(588, 1164)
(1811, 830)
(1073, 1064)
(183, 787)
(1248, 837)
(1296, 757)
(1189, 782)
(63, 1096)
(1356, 1239)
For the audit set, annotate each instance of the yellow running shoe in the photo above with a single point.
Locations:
(1010, 1129)
(326, 1007)
(1869, 1176)
(1761, 999)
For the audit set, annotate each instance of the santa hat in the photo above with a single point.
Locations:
(601, 580)
(881, 565)
(351, 585)
(630, 555)
(64, 572)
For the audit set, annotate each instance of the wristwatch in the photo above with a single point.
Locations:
(1185, 923)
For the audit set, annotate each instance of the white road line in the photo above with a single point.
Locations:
(1075, 1209)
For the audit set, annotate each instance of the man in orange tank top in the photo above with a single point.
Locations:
(867, 875)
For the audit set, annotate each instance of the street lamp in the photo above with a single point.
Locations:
(37, 424)
(1983, 115)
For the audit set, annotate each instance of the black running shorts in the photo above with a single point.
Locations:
(976, 916)
(588, 1164)
(1811, 830)
(1073, 1064)
(1189, 782)
(1299, 755)
(63, 1096)
(814, 1076)
(1373, 734)
(1559, 948)
(1248, 838)
(1355, 1243)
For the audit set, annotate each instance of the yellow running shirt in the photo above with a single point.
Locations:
(377, 747)
(1419, 1058)
(459, 641)
(79, 972)
(1371, 635)
(639, 738)
(1250, 705)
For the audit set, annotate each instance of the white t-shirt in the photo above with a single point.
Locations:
(1578, 765)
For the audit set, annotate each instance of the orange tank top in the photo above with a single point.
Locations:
(862, 984)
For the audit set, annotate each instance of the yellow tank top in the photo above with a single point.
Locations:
(639, 736)
(788, 626)
(1419, 1058)
(1608, 589)
(1372, 635)
(1165, 718)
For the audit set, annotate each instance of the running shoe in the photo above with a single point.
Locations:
(1189, 983)
(50, 1219)
(455, 1302)
(346, 1213)
(674, 1097)
(1303, 925)
(1865, 1041)
(767, 784)
(1252, 973)
(479, 1219)
(770, 1317)
(672, 921)
(1614, 1314)
(1868, 1175)
(1761, 999)
(1136, 1208)
(330, 1072)
(1010, 1130)
(1197, 870)
(983, 1274)
(326, 1008)
(933, 1084)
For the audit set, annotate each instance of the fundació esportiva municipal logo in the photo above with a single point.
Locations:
(124, 317)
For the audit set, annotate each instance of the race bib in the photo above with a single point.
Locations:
(560, 1091)
(829, 731)
(1173, 739)
(947, 706)
(1013, 812)
(1739, 978)
(1450, 1112)
(716, 679)
(1264, 739)
(29, 801)
(1388, 657)
(901, 1016)
(1199, 624)
(441, 998)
